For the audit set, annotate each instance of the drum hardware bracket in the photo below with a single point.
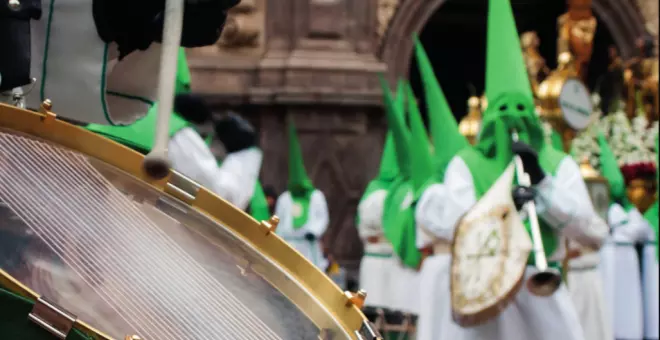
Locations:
(368, 332)
(182, 187)
(52, 318)
(271, 224)
(356, 299)
(45, 108)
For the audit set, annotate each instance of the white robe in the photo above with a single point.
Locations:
(378, 259)
(585, 285)
(621, 270)
(317, 224)
(233, 180)
(81, 74)
(563, 202)
(651, 286)
(394, 285)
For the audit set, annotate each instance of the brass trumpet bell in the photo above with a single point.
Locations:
(544, 283)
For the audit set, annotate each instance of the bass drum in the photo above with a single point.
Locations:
(101, 250)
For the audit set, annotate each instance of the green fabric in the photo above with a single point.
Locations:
(510, 107)
(140, 135)
(300, 186)
(420, 155)
(609, 168)
(447, 140)
(389, 168)
(14, 323)
(259, 204)
(183, 78)
(555, 138)
(651, 215)
(505, 66)
(398, 215)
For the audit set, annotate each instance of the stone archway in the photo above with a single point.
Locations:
(621, 17)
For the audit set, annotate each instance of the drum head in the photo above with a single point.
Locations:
(128, 259)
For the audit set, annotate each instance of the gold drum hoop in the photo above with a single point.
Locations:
(136, 258)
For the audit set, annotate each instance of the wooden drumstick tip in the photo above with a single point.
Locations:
(132, 337)
(156, 165)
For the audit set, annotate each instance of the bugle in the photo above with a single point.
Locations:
(547, 280)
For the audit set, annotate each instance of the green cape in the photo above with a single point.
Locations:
(651, 215)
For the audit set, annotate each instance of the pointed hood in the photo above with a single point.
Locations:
(447, 139)
(420, 155)
(510, 105)
(259, 204)
(505, 66)
(389, 167)
(398, 214)
(609, 168)
(300, 185)
(394, 111)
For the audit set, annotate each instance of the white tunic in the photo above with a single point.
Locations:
(317, 224)
(563, 201)
(621, 270)
(234, 180)
(81, 74)
(378, 259)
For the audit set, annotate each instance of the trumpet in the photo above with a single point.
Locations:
(547, 280)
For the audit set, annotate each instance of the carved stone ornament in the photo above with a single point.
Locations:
(241, 30)
(386, 10)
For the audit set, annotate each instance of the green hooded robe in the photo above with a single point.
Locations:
(510, 106)
(651, 215)
(389, 169)
(300, 185)
(398, 213)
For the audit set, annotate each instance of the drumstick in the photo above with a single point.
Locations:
(156, 164)
(14, 5)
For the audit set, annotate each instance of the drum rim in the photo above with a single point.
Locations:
(45, 125)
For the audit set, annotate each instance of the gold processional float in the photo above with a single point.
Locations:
(491, 247)
(106, 247)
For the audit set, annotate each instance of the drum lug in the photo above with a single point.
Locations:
(356, 299)
(182, 188)
(271, 224)
(368, 332)
(45, 108)
(52, 318)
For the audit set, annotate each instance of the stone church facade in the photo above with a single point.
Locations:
(316, 62)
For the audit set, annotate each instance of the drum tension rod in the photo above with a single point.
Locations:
(52, 318)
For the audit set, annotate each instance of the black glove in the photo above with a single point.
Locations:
(310, 237)
(192, 108)
(522, 195)
(530, 160)
(235, 133)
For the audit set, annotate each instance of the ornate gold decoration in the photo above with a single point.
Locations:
(536, 67)
(386, 10)
(577, 28)
(242, 28)
(471, 124)
(641, 81)
(642, 193)
(548, 98)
